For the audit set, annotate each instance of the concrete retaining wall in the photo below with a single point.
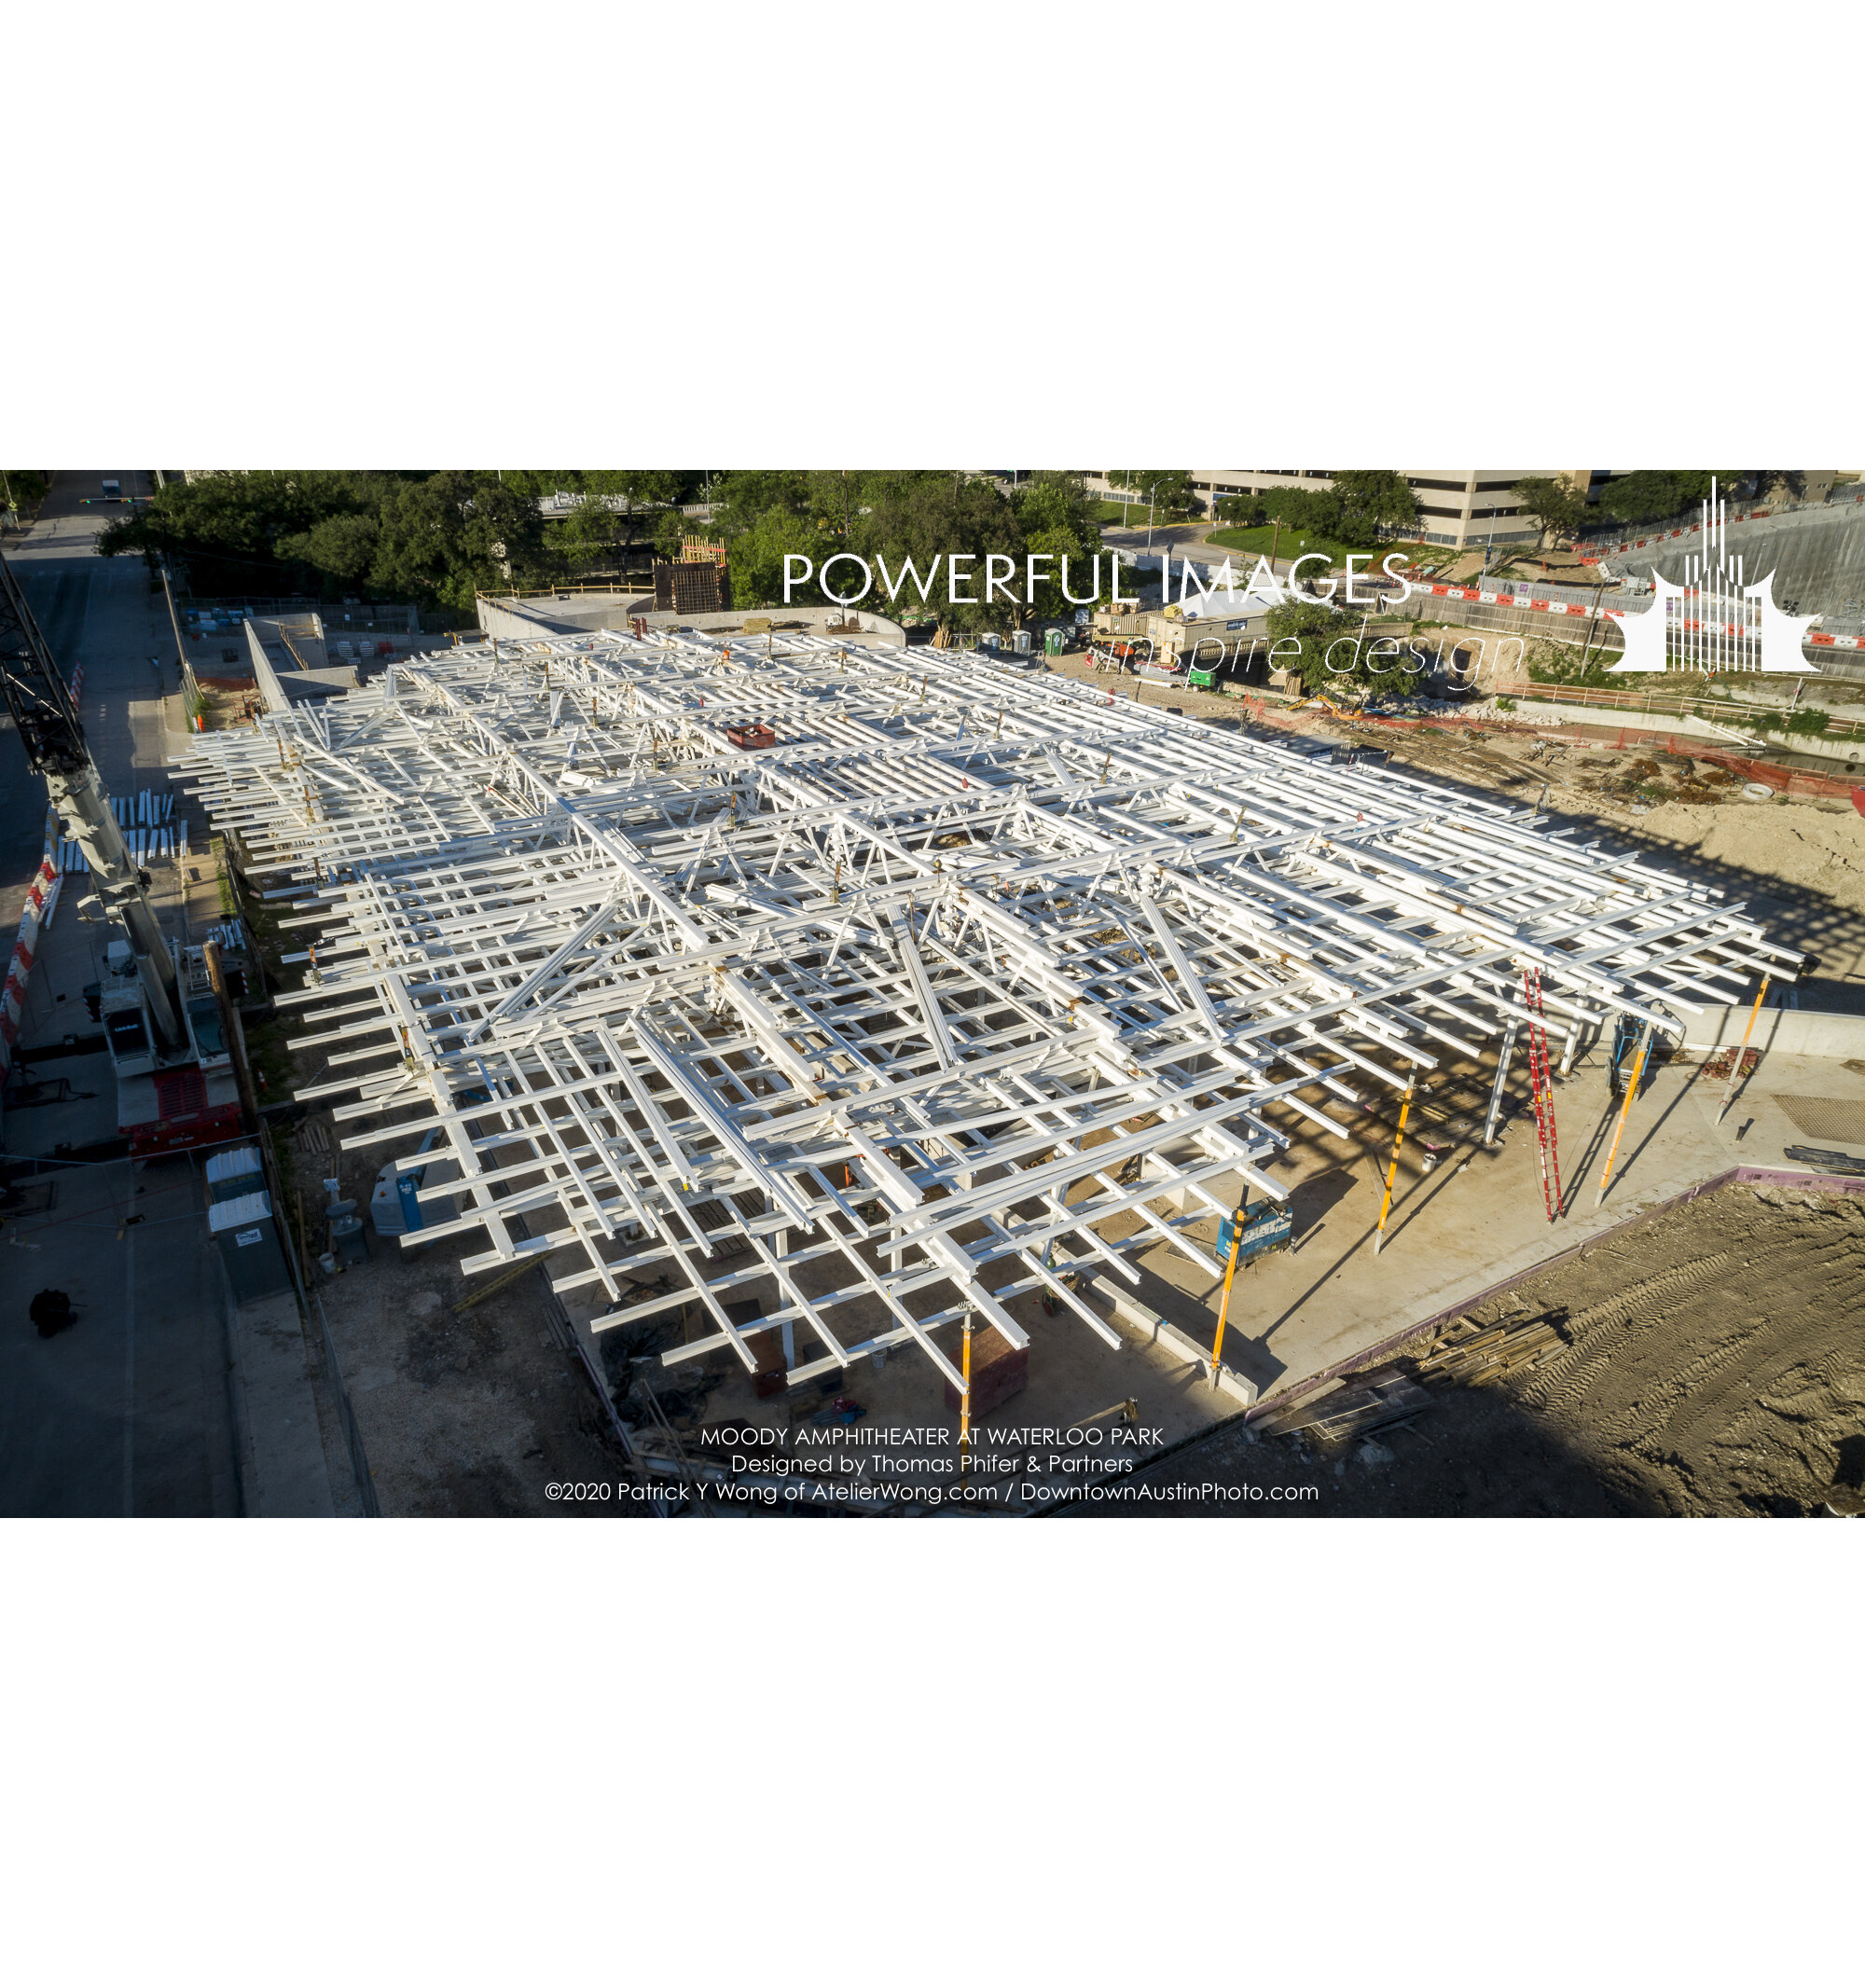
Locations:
(263, 672)
(1148, 1325)
(529, 620)
(1793, 1032)
(1542, 713)
(1725, 738)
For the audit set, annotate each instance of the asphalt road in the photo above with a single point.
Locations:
(128, 1411)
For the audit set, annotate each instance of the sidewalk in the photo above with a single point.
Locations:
(286, 1467)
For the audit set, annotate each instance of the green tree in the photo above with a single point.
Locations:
(457, 532)
(929, 516)
(1556, 504)
(757, 555)
(1302, 510)
(588, 536)
(741, 497)
(342, 546)
(240, 512)
(671, 528)
(1312, 627)
(23, 487)
(1240, 508)
(1317, 630)
(1167, 490)
(1054, 514)
(1370, 503)
(1649, 495)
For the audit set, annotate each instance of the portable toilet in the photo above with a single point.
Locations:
(248, 1240)
(234, 1173)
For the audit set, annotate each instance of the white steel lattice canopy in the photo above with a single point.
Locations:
(894, 1013)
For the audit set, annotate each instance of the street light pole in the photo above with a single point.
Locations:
(1150, 495)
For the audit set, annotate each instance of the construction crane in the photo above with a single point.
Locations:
(49, 730)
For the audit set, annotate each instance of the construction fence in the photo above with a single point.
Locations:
(1615, 539)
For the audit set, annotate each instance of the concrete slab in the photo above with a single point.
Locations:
(1478, 1218)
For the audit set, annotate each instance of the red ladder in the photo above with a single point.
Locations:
(1542, 1088)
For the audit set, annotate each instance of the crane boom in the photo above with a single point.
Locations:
(47, 722)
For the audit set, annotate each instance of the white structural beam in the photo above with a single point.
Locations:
(884, 1022)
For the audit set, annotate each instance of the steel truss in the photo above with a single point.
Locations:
(898, 1012)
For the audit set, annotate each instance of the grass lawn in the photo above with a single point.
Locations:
(1252, 539)
(1110, 513)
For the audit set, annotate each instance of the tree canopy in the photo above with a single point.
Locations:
(436, 537)
(439, 536)
(1169, 489)
(1649, 495)
(897, 520)
(1317, 630)
(1359, 507)
(1556, 504)
(1371, 503)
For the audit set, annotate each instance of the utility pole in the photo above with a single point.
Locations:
(174, 621)
(1591, 624)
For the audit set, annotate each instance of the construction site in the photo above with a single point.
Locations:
(841, 1077)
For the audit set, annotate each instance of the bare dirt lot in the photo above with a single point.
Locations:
(1708, 1361)
(463, 1413)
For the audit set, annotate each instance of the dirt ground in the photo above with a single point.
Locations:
(1711, 1363)
(465, 1414)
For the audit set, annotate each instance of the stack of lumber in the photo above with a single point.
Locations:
(1370, 1401)
(1468, 1355)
